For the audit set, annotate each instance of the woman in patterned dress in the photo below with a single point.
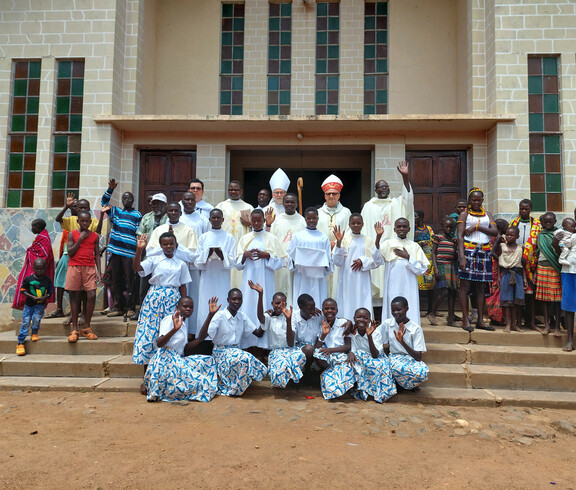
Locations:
(423, 236)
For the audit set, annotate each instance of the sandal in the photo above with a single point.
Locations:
(58, 313)
(88, 333)
(73, 337)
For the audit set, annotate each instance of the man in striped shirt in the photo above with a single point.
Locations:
(122, 248)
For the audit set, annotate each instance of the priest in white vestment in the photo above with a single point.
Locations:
(404, 261)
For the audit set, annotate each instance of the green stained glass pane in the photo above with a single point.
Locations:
(381, 97)
(274, 52)
(273, 110)
(238, 53)
(273, 83)
(34, 69)
(226, 67)
(332, 109)
(30, 144)
(286, 38)
(237, 110)
(332, 83)
(284, 97)
(321, 66)
(227, 10)
(321, 38)
(60, 144)
(77, 87)
(321, 9)
(59, 180)
(286, 9)
(76, 123)
(13, 199)
(16, 160)
(20, 88)
(382, 37)
(536, 164)
(369, 51)
(382, 66)
(225, 98)
(333, 52)
(320, 97)
(227, 39)
(538, 201)
(549, 66)
(369, 109)
(333, 23)
(381, 8)
(550, 103)
(74, 161)
(62, 105)
(32, 105)
(553, 183)
(536, 122)
(237, 83)
(18, 123)
(552, 143)
(285, 66)
(64, 69)
(369, 83)
(274, 24)
(534, 85)
(369, 23)
(28, 180)
(238, 24)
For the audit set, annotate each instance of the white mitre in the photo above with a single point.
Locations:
(279, 180)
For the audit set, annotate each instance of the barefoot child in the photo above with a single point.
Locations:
(37, 288)
(236, 368)
(356, 255)
(173, 376)
(83, 274)
(285, 361)
(405, 339)
(331, 353)
(167, 285)
(548, 283)
(369, 361)
(509, 271)
(444, 252)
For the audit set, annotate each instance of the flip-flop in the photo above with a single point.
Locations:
(88, 333)
(488, 328)
(58, 313)
(73, 337)
(468, 328)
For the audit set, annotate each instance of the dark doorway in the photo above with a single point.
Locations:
(255, 167)
(165, 171)
(438, 179)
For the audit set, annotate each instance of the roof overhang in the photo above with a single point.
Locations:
(390, 123)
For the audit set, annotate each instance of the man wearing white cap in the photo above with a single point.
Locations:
(279, 183)
(332, 214)
(386, 210)
(149, 222)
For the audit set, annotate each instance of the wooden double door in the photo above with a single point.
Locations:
(439, 180)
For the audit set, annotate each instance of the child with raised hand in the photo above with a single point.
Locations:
(356, 255)
(236, 368)
(369, 361)
(331, 353)
(36, 288)
(405, 340)
(167, 285)
(285, 362)
(511, 278)
(548, 282)
(444, 252)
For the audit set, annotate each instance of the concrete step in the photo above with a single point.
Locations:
(523, 378)
(446, 375)
(517, 355)
(101, 325)
(58, 344)
(83, 366)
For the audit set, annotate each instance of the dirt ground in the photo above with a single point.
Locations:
(118, 440)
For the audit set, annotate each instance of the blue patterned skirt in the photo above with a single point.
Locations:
(236, 369)
(159, 302)
(407, 371)
(373, 378)
(172, 377)
(339, 377)
(285, 364)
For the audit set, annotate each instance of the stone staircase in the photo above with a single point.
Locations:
(478, 368)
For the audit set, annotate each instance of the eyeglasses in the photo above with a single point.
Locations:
(195, 188)
(331, 193)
